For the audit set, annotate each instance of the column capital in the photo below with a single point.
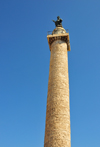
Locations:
(59, 33)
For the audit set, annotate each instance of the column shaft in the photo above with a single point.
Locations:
(57, 130)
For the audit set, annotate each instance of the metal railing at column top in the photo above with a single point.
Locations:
(50, 32)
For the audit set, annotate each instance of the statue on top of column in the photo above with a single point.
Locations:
(58, 22)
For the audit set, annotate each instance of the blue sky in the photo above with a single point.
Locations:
(24, 69)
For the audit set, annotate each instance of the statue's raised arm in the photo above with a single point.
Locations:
(54, 21)
(58, 22)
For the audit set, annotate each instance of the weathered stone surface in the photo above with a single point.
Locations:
(57, 130)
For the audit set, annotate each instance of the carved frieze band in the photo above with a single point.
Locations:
(64, 38)
(51, 40)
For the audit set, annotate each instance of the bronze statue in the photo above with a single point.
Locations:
(58, 22)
